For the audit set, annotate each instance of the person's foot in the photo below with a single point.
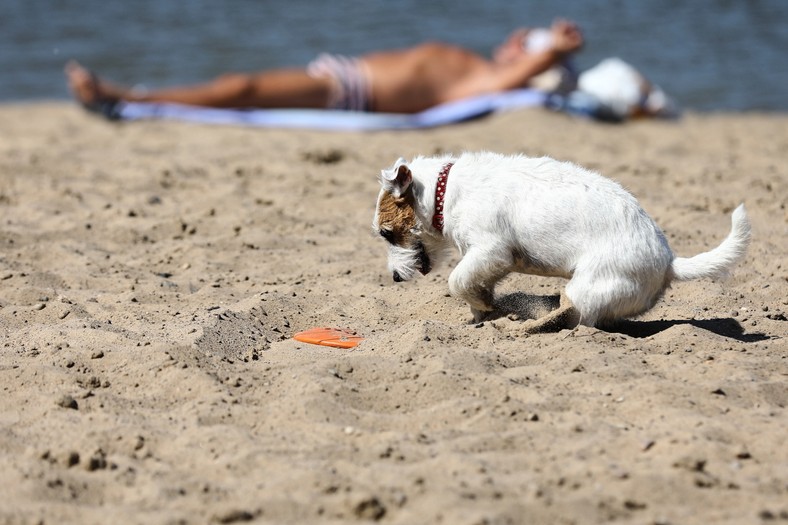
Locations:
(86, 87)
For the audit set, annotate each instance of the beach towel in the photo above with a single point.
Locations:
(327, 119)
(575, 103)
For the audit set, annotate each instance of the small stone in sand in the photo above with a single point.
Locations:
(98, 461)
(71, 458)
(66, 401)
(370, 509)
(234, 516)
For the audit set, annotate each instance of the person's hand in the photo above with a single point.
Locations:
(567, 37)
(512, 48)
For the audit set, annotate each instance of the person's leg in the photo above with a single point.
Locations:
(274, 89)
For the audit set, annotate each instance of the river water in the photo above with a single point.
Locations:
(710, 55)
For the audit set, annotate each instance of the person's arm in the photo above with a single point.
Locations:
(517, 72)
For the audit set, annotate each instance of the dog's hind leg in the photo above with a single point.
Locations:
(565, 316)
(590, 296)
(602, 299)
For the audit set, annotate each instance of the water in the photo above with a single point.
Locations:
(711, 55)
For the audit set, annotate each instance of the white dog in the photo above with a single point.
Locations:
(537, 216)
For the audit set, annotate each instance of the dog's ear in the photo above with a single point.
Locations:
(397, 179)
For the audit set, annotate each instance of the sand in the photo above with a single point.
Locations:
(152, 276)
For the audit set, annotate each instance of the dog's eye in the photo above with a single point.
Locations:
(388, 235)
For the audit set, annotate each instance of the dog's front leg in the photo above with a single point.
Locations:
(473, 280)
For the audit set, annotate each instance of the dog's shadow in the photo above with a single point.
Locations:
(527, 306)
(726, 327)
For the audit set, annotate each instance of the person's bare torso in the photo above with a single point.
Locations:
(415, 79)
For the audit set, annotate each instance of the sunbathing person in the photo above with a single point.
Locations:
(401, 81)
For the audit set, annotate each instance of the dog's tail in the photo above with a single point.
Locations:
(719, 262)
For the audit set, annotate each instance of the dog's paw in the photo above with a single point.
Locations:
(480, 316)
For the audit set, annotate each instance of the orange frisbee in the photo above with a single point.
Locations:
(334, 337)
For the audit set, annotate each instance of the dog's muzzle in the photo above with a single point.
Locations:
(424, 265)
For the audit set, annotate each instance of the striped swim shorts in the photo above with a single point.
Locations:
(351, 89)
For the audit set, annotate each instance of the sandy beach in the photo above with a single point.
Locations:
(153, 274)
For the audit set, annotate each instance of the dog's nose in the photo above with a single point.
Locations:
(397, 278)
